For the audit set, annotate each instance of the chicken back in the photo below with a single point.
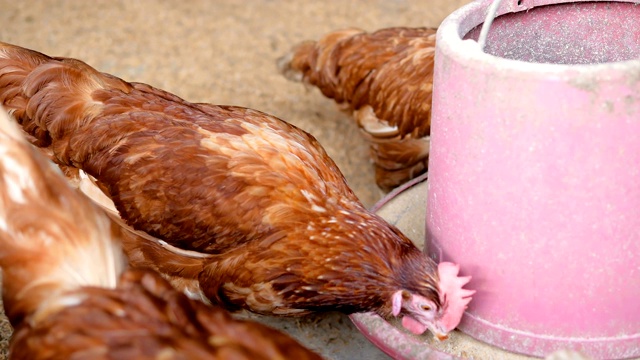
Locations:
(384, 80)
(68, 295)
(231, 204)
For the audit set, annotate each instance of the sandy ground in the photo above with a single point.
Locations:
(221, 52)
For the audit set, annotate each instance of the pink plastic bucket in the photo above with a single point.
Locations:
(535, 173)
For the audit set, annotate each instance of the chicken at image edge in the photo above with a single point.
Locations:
(384, 80)
(67, 291)
(235, 206)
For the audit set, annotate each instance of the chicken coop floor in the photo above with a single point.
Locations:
(224, 52)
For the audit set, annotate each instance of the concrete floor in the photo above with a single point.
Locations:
(222, 52)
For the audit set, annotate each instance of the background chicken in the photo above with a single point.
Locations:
(66, 291)
(251, 211)
(384, 79)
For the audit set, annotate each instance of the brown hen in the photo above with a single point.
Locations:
(251, 211)
(384, 80)
(66, 291)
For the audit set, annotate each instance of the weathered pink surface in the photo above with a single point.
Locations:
(535, 180)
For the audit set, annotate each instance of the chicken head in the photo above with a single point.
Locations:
(421, 314)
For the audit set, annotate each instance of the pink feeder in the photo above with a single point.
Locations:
(534, 182)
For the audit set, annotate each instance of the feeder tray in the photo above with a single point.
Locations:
(534, 179)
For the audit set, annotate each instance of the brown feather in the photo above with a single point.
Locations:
(145, 318)
(281, 231)
(385, 78)
(68, 296)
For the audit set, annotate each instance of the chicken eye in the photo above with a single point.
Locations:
(426, 307)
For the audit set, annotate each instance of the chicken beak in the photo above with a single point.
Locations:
(441, 337)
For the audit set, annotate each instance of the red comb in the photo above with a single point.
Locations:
(453, 297)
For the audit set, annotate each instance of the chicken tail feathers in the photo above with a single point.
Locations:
(52, 239)
(49, 96)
